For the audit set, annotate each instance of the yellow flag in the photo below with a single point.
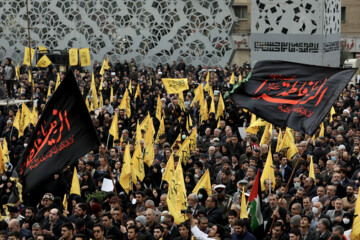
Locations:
(65, 203)
(30, 76)
(146, 123)
(232, 79)
(253, 118)
(169, 170)
(138, 136)
(57, 81)
(268, 172)
(207, 80)
(27, 60)
(279, 141)
(199, 92)
(85, 57)
(123, 101)
(218, 124)
(266, 135)
(114, 128)
(34, 116)
(311, 170)
(17, 70)
(332, 112)
(254, 127)
(105, 66)
(220, 108)
(322, 130)
(212, 106)
(73, 57)
(2, 164)
(240, 79)
(94, 92)
(243, 211)
(111, 94)
(176, 198)
(5, 152)
(125, 174)
(137, 169)
(205, 113)
(42, 49)
(137, 93)
(288, 144)
(75, 185)
(355, 234)
(175, 85)
(101, 83)
(178, 139)
(43, 62)
(149, 144)
(17, 124)
(48, 95)
(181, 101)
(205, 183)
(101, 102)
(26, 116)
(158, 108)
(184, 151)
(211, 92)
(161, 130)
(193, 138)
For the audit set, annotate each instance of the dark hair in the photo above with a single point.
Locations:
(295, 231)
(99, 225)
(140, 193)
(220, 229)
(83, 206)
(167, 225)
(183, 224)
(30, 208)
(68, 225)
(240, 222)
(133, 227)
(80, 236)
(159, 227)
(107, 214)
(233, 213)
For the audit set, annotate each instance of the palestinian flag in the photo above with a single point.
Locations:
(255, 205)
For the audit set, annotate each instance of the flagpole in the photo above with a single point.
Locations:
(107, 142)
(115, 190)
(288, 183)
(29, 40)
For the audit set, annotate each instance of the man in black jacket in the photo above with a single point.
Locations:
(213, 212)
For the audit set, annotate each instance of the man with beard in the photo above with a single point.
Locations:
(349, 200)
(241, 232)
(29, 218)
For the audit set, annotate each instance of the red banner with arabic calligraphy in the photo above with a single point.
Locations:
(62, 135)
(290, 94)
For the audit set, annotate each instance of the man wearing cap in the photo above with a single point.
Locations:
(242, 184)
(295, 221)
(224, 201)
(14, 214)
(141, 224)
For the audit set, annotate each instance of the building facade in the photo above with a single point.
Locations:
(350, 27)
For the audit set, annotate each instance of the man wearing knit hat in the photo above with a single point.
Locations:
(141, 224)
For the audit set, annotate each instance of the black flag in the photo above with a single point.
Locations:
(290, 94)
(63, 134)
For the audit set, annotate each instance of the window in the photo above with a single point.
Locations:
(241, 12)
(343, 14)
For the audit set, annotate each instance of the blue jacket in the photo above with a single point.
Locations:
(246, 236)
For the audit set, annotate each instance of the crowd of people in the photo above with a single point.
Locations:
(320, 208)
